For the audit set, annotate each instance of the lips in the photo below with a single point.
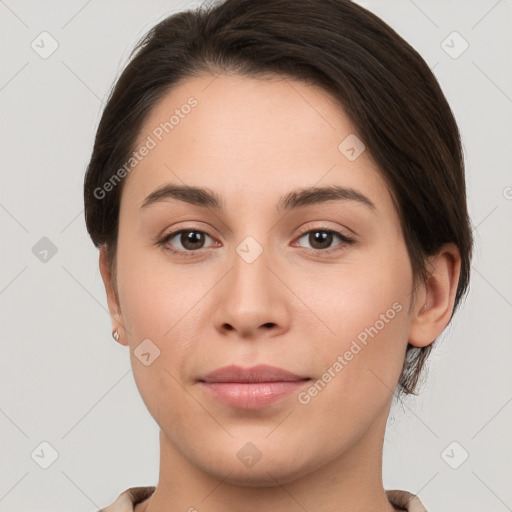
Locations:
(251, 388)
(260, 373)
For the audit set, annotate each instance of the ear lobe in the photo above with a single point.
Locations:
(112, 296)
(434, 306)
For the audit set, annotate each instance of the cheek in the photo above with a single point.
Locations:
(157, 305)
(365, 306)
(156, 296)
(363, 299)
(359, 367)
(160, 306)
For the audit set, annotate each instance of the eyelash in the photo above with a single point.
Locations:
(163, 242)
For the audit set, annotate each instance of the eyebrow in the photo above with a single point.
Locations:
(297, 198)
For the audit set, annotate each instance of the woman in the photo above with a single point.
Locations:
(277, 192)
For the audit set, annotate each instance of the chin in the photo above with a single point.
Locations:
(267, 475)
(274, 466)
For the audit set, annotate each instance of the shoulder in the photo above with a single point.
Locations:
(127, 500)
(405, 500)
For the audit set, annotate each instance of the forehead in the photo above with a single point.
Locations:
(245, 137)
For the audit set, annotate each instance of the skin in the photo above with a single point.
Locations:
(295, 307)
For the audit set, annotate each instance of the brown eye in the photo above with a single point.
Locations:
(185, 240)
(322, 240)
(192, 240)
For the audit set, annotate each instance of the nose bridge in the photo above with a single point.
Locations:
(251, 277)
(250, 295)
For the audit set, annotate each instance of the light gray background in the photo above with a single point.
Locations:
(64, 380)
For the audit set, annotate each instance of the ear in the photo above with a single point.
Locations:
(112, 297)
(434, 301)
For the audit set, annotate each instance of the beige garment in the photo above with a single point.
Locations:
(128, 499)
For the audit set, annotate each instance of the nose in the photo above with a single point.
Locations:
(251, 300)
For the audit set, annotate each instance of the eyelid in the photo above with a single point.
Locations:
(308, 228)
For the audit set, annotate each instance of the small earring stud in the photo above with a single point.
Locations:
(115, 335)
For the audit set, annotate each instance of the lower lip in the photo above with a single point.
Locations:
(252, 395)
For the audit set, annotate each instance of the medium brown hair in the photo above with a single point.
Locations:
(385, 87)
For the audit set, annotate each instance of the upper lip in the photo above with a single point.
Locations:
(259, 373)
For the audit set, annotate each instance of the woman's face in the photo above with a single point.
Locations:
(314, 284)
